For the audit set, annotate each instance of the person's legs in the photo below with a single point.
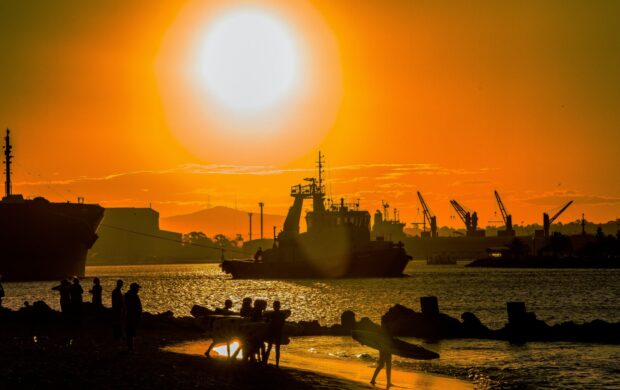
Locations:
(261, 352)
(208, 352)
(267, 353)
(277, 354)
(380, 364)
(239, 349)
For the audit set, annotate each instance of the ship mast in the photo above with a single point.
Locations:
(7, 162)
(318, 191)
(320, 165)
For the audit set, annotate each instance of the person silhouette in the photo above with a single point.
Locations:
(276, 321)
(1, 291)
(255, 343)
(246, 307)
(227, 309)
(96, 291)
(64, 288)
(385, 358)
(117, 309)
(258, 256)
(76, 296)
(133, 313)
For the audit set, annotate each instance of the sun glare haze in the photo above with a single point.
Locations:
(261, 80)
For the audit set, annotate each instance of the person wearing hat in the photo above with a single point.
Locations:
(133, 312)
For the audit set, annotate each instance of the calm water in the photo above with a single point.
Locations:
(555, 295)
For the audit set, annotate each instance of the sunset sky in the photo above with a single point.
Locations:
(105, 100)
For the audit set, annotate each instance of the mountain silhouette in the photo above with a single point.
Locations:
(222, 220)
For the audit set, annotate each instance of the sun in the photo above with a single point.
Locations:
(249, 82)
(249, 61)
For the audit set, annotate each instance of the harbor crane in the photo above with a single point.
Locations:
(548, 221)
(470, 219)
(428, 216)
(506, 216)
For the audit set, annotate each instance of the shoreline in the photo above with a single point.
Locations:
(44, 349)
(352, 371)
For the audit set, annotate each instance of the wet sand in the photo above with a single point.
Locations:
(352, 371)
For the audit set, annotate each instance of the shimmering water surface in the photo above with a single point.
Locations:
(555, 296)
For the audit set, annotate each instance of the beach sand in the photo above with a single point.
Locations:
(353, 371)
(47, 351)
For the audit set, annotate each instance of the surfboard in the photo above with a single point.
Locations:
(396, 346)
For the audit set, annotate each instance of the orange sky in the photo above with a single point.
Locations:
(454, 99)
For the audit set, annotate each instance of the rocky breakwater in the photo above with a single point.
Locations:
(431, 324)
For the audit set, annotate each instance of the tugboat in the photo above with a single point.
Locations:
(41, 240)
(337, 243)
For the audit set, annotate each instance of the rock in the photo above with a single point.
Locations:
(402, 321)
(472, 327)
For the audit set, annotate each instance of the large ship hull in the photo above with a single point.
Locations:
(40, 240)
(387, 262)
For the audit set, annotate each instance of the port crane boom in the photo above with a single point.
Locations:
(469, 219)
(464, 215)
(506, 216)
(560, 212)
(548, 221)
(428, 216)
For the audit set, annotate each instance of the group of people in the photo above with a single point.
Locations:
(71, 295)
(257, 347)
(126, 307)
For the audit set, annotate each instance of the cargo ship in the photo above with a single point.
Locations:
(337, 243)
(43, 240)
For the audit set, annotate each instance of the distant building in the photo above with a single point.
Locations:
(130, 234)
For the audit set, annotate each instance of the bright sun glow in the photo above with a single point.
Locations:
(222, 350)
(249, 61)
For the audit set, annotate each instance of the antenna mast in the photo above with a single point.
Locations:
(320, 166)
(7, 162)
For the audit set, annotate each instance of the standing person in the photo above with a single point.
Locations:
(117, 309)
(246, 307)
(276, 321)
(256, 343)
(133, 312)
(257, 311)
(64, 288)
(258, 256)
(76, 296)
(96, 291)
(385, 358)
(1, 291)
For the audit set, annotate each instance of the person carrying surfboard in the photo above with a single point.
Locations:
(275, 321)
(381, 338)
(385, 358)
